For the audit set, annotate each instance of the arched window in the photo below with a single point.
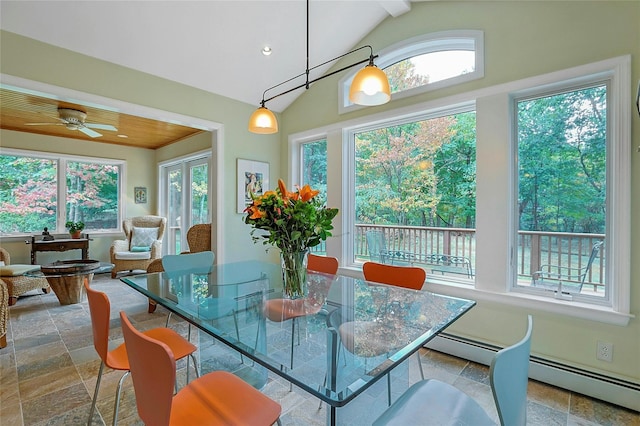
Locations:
(428, 62)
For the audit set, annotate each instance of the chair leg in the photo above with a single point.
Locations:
(235, 322)
(420, 365)
(116, 406)
(95, 393)
(293, 336)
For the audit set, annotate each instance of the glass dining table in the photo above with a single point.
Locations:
(353, 335)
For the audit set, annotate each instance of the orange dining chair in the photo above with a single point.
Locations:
(400, 276)
(280, 310)
(217, 398)
(100, 308)
(324, 264)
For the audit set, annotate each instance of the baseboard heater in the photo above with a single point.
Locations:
(616, 391)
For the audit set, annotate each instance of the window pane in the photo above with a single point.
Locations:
(28, 197)
(174, 182)
(562, 191)
(92, 194)
(199, 192)
(314, 165)
(314, 173)
(415, 194)
(429, 68)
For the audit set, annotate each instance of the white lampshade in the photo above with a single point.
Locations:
(370, 86)
(263, 121)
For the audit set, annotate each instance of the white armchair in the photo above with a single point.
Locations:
(142, 244)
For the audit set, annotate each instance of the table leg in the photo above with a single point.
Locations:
(332, 367)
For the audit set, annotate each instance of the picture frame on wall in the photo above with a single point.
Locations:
(140, 194)
(253, 177)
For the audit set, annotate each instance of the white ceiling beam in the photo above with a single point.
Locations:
(395, 8)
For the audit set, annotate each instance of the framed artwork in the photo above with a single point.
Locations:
(140, 194)
(253, 177)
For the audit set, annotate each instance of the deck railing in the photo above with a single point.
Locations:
(534, 248)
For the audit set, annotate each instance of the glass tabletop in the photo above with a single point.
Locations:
(378, 325)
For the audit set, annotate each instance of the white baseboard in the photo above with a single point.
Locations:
(619, 392)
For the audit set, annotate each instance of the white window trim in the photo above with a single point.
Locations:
(415, 46)
(61, 160)
(494, 288)
(617, 72)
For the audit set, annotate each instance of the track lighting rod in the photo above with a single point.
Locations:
(308, 82)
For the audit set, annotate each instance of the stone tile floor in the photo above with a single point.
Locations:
(48, 372)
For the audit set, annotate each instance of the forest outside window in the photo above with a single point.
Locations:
(41, 190)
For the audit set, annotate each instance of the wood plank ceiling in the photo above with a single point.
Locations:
(18, 108)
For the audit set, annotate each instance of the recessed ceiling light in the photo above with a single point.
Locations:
(266, 51)
(123, 136)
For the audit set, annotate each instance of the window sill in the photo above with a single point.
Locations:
(603, 314)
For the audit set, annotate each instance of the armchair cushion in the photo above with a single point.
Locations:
(143, 237)
(16, 270)
(137, 249)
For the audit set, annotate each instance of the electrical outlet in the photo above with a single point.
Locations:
(605, 351)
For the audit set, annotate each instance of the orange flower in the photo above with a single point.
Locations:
(307, 193)
(256, 213)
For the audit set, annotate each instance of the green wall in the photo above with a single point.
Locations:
(522, 39)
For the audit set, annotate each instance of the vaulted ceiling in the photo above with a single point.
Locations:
(211, 45)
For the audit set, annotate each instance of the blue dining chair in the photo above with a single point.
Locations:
(430, 402)
(200, 262)
(178, 264)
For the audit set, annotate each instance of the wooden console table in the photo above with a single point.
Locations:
(60, 245)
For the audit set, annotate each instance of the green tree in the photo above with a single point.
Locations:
(562, 162)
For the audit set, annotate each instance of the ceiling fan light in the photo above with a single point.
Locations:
(369, 87)
(263, 121)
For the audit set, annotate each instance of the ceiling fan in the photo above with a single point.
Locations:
(74, 119)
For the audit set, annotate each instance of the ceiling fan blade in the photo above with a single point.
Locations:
(44, 124)
(101, 126)
(89, 132)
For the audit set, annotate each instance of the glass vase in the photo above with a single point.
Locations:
(294, 274)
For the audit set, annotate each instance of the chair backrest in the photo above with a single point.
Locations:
(100, 310)
(148, 221)
(153, 371)
(594, 253)
(377, 246)
(326, 264)
(199, 238)
(400, 276)
(200, 262)
(509, 375)
(5, 256)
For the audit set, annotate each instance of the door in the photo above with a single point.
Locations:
(185, 185)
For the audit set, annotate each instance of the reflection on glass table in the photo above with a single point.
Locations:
(227, 303)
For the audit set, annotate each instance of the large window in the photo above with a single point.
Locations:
(426, 63)
(514, 178)
(415, 194)
(39, 190)
(562, 187)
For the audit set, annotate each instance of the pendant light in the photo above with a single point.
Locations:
(263, 121)
(370, 87)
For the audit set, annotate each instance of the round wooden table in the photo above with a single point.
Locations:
(66, 278)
